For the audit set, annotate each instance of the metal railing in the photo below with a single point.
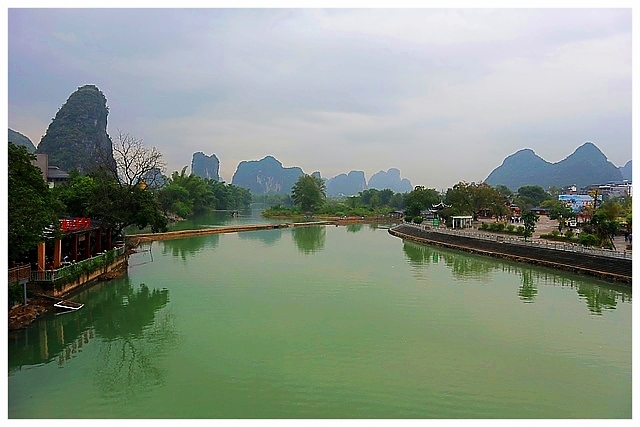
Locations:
(518, 240)
(68, 270)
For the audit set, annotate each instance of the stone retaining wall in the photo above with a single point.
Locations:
(616, 269)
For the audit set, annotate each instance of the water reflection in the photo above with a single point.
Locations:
(309, 239)
(209, 220)
(187, 247)
(267, 237)
(125, 321)
(528, 290)
(598, 298)
(354, 228)
(598, 295)
(462, 267)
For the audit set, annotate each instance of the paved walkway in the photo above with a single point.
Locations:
(545, 225)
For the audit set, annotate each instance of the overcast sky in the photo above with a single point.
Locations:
(444, 95)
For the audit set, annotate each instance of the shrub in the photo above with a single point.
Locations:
(568, 234)
(520, 230)
(511, 228)
(484, 226)
(417, 220)
(555, 233)
(588, 239)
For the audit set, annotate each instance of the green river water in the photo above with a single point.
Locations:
(327, 322)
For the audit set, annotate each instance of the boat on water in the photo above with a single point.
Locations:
(63, 306)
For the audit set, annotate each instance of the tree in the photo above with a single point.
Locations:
(604, 227)
(560, 211)
(530, 196)
(472, 199)
(419, 199)
(133, 161)
(121, 206)
(31, 206)
(529, 218)
(309, 192)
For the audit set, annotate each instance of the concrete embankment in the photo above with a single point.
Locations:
(609, 268)
(136, 239)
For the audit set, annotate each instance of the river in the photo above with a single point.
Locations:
(327, 322)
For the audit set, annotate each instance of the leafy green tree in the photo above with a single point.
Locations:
(200, 193)
(419, 199)
(75, 195)
(612, 209)
(604, 228)
(309, 192)
(472, 199)
(530, 196)
(31, 206)
(122, 206)
(559, 211)
(529, 218)
(174, 198)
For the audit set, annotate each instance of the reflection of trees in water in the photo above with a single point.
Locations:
(135, 329)
(189, 246)
(268, 237)
(462, 266)
(528, 290)
(129, 364)
(309, 239)
(599, 296)
(354, 228)
(130, 322)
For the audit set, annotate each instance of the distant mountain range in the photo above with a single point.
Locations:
(626, 171)
(19, 139)
(266, 176)
(585, 166)
(78, 133)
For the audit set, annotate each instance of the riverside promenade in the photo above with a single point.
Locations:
(606, 264)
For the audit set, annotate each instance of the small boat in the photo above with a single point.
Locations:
(67, 306)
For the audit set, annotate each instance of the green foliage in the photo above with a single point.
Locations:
(187, 195)
(558, 210)
(530, 196)
(174, 198)
(604, 228)
(474, 199)
(588, 239)
(529, 218)
(309, 192)
(31, 206)
(419, 199)
(100, 196)
(417, 220)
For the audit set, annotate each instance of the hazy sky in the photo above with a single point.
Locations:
(442, 94)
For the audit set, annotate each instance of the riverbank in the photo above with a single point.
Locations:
(612, 268)
(40, 303)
